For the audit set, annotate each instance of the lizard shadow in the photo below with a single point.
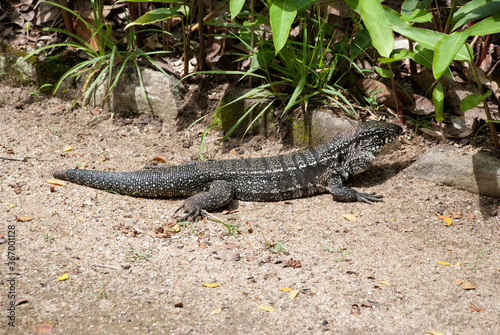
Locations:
(376, 175)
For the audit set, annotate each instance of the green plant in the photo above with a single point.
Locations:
(54, 131)
(37, 92)
(436, 50)
(340, 250)
(100, 293)
(137, 256)
(273, 248)
(232, 226)
(48, 238)
(103, 57)
(477, 263)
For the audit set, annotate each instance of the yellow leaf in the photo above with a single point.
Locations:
(433, 332)
(285, 289)
(443, 263)
(210, 285)
(68, 148)
(63, 277)
(266, 308)
(448, 221)
(56, 182)
(349, 217)
(217, 310)
(24, 218)
(10, 206)
(385, 283)
(80, 218)
(293, 294)
(176, 228)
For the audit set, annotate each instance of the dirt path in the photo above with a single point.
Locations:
(127, 282)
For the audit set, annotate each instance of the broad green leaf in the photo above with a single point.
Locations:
(384, 73)
(395, 56)
(263, 55)
(474, 11)
(394, 18)
(303, 4)
(438, 100)
(473, 100)
(487, 26)
(360, 43)
(156, 15)
(282, 14)
(424, 57)
(445, 51)
(377, 23)
(354, 5)
(235, 7)
(410, 5)
(418, 16)
(428, 39)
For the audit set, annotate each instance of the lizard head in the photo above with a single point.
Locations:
(378, 136)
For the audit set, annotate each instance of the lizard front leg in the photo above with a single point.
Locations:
(219, 194)
(347, 194)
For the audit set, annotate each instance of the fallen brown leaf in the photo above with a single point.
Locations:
(468, 285)
(292, 263)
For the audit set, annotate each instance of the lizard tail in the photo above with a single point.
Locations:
(61, 174)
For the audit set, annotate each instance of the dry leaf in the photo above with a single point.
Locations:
(448, 221)
(179, 304)
(285, 289)
(56, 182)
(159, 159)
(210, 285)
(63, 277)
(385, 283)
(468, 285)
(217, 310)
(68, 148)
(293, 294)
(458, 282)
(10, 207)
(433, 332)
(458, 266)
(43, 328)
(81, 218)
(24, 218)
(457, 215)
(349, 217)
(443, 263)
(266, 308)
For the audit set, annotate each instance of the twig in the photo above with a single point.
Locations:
(23, 159)
(107, 266)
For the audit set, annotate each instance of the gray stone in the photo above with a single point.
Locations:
(477, 173)
(231, 110)
(318, 128)
(163, 99)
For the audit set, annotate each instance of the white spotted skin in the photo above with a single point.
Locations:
(318, 170)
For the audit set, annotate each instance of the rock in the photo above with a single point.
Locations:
(127, 96)
(319, 128)
(477, 173)
(230, 111)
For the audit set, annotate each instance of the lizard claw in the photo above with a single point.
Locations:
(369, 198)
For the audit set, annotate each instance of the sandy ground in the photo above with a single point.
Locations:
(381, 275)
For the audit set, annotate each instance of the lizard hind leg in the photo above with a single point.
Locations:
(219, 194)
